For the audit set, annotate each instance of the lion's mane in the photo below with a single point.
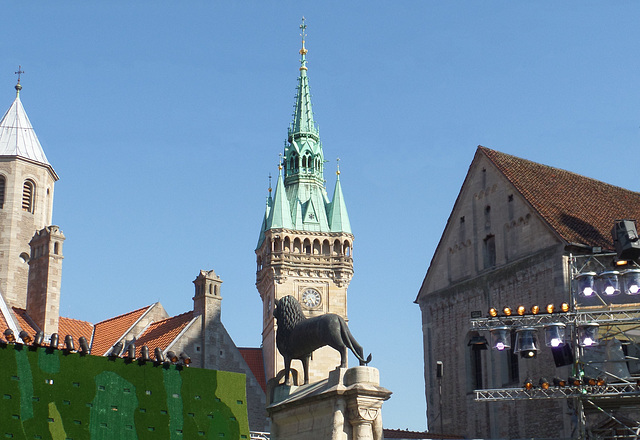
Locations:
(288, 313)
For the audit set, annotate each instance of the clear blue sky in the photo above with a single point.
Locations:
(164, 119)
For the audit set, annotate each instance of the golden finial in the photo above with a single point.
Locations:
(280, 163)
(303, 34)
(269, 183)
(338, 166)
(18, 86)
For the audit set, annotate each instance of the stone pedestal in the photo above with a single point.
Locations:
(346, 406)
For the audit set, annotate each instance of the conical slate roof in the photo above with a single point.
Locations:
(17, 137)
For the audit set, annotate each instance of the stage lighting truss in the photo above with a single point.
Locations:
(607, 391)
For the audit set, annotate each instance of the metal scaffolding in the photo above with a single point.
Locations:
(617, 319)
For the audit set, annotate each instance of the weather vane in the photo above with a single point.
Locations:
(338, 165)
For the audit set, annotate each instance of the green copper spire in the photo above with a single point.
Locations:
(338, 217)
(280, 212)
(303, 156)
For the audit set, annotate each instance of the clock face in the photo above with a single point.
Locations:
(311, 298)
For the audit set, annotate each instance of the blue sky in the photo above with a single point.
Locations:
(164, 120)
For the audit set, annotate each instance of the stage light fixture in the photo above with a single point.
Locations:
(38, 340)
(575, 381)
(528, 384)
(559, 382)
(478, 342)
(521, 310)
(601, 381)
(526, 342)
(588, 334)
(631, 281)
(550, 308)
(506, 311)
(586, 283)
(53, 340)
(184, 357)
(500, 338)
(565, 307)
(586, 380)
(9, 336)
(84, 345)
(144, 353)
(544, 383)
(535, 310)
(493, 312)
(116, 349)
(26, 337)
(608, 283)
(131, 351)
(68, 343)
(171, 356)
(554, 334)
(157, 353)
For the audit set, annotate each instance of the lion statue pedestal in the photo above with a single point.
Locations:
(346, 406)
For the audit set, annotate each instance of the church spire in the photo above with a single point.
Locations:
(303, 123)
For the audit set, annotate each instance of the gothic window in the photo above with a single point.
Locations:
(28, 193)
(489, 251)
(304, 161)
(307, 246)
(2, 185)
(326, 248)
(510, 206)
(487, 217)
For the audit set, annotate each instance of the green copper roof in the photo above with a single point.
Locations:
(300, 201)
(338, 217)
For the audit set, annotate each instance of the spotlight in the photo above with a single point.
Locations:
(9, 336)
(528, 384)
(601, 381)
(500, 338)
(526, 343)
(144, 353)
(53, 341)
(478, 342)
(586, 283)
(544, 383)
(493, 312)
(588, 334)
(559, 382)
(521, 310)
(157, 353)
(39, 339)
(116, 349)
(84, 345)
(26, 338)
(575, 381)
(565, 307)
(535, 310)
(631, 281)
(184, 357)
(131, 351)
(506, 311)
(608, 283)
(554, 334)
(171, 356)
(586, 380)
(68, 343)
(625, 239)
(550, 308)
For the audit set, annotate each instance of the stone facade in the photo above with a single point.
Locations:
(291, 263)
(496, 251)
(27, 207)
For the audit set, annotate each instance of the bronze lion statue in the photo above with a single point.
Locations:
(297, 337)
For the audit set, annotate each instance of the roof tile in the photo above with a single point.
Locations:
(162, 333)
(253, 358)
(108, 332)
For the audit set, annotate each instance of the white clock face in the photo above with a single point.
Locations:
(311, 298)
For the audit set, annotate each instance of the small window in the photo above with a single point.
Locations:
(489, 251)
(2, 185)
(28, 193)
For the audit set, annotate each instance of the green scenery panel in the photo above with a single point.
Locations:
(54, 395)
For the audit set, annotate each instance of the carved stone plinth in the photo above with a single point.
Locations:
(346, 406)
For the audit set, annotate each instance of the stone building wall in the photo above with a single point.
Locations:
(495, 252)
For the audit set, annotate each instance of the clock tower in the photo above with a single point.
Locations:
(305, 245)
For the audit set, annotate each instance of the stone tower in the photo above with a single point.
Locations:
(45, 276)
(305, 244)
(26, 199)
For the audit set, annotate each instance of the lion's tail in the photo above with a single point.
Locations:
(352, 344)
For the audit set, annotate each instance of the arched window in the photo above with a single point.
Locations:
(2, 185)
(28, 195)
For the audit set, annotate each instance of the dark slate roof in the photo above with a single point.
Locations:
(579, 209)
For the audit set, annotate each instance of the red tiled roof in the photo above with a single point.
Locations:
(162, 333)
(23, 320)
(110, 331)
(580, 209)
(253, 358)
(3, 325)
(75, 328)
